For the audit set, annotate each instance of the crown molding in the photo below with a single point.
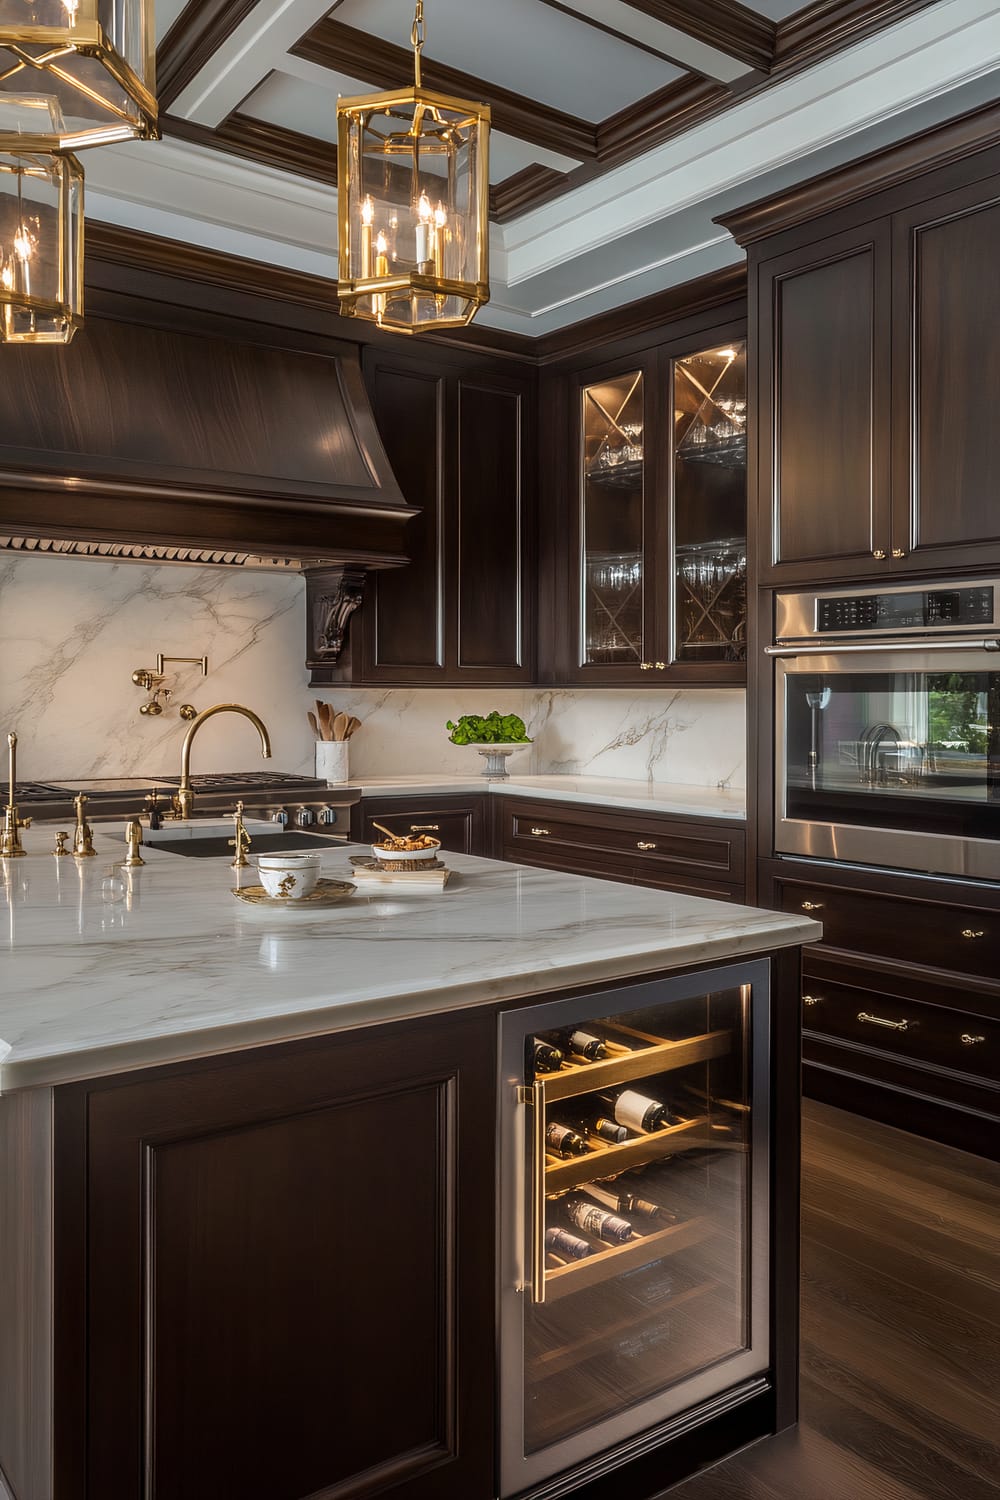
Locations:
(192, 41)
(726, 25)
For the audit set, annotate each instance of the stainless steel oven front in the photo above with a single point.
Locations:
(887, 727)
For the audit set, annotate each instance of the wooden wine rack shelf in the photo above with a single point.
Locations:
(574, 1079)
(607, 1161)
(579, 1274)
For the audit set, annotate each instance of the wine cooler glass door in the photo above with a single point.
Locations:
(634, 1242)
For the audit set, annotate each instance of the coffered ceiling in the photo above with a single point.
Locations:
(620, 127)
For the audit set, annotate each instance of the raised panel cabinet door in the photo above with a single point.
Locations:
(402, 619)
(947, 471)
(492, 547)
(289, 1272)
(824, 382)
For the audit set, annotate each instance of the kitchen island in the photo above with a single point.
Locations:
(262, 1175)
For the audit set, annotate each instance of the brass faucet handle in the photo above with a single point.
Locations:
(133, 837)
(83, 837)
(61, 843)
(241, 840)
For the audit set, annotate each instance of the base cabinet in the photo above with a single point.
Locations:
(901, 1000)
(461, 823)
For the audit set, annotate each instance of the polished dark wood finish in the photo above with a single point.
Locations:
(198, 32)
(685, 854)
(198, 440)
(236, 1211)
(725, 24)
(947, 469)
(823, 419)
(900, 1310)
(492, 543)
(261, 141)
(818, 30)
(461, 823)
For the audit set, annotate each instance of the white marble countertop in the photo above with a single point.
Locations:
(180, 968)
(602, 791)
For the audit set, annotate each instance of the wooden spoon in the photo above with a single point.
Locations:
(340, 725)
(321, 716)
(394, 838)
(352, 726)
(313, 724)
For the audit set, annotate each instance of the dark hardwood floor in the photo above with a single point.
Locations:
(900, 1327)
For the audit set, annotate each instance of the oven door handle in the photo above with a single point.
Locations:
(833, 648)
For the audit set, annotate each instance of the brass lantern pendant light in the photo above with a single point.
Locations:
(41, 247)
(76, 73)
(413, 205)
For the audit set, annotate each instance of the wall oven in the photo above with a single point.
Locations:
(887, 727)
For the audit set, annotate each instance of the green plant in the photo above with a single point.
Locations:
(493, 729)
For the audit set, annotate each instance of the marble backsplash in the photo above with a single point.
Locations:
(73, 630)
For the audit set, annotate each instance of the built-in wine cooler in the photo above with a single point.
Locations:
(634, 1178)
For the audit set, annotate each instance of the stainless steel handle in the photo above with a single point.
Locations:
(812, 999)
(971, 1041)
(832, 649)
(425, 827)
(540, 833)
(973, 932)
(812, 906)
(643, 845)
(881, 1021)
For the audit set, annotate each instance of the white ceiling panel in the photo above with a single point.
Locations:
(166, 14)
(650, 32)
(775, 10)
(525, 46)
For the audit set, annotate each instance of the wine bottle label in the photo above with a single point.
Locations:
(609, 1131)
(561, 1242)
(598, 1222)
(633, 1109)
(564, 1140)
(640, 1206)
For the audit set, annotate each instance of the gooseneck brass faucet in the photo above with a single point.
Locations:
(184, 796)
(10, 839)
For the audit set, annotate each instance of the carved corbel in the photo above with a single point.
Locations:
(332, 596)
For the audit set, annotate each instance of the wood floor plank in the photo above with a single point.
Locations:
(900, 1324)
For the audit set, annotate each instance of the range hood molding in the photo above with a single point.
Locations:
(178, 440)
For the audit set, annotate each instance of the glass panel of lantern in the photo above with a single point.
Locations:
(413, 202)
(91, 63)
(41, 248)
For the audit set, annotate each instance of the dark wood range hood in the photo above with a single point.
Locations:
(176, 444)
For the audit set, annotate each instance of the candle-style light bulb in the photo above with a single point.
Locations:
(440, 220)
(367, 215)
(424, 235)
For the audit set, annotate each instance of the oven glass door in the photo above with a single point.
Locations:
(893, 742)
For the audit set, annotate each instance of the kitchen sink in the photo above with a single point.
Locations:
(268, 843)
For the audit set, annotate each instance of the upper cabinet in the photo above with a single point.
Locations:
(460, 439)
(876, 370)
(657, 519)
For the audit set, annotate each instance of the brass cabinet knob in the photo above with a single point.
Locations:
(871, 1020)
(973, 932)
(645, 666)
(878, 554)
(898, 552)
(643, 845)
(540, 833)
(971, 1041)
(812, 999)
(425, 827)
(812, 906)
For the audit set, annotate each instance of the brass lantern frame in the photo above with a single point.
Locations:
(67, 306)
(350, 288)
(88, 38)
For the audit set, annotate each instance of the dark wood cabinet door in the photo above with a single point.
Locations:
(824, 402)
(289, 1272)
(947, 308)
(461, 823)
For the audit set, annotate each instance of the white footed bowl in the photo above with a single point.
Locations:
(288, 877)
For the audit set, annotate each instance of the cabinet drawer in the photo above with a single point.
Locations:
(662, 846)
(965, 940)
(459, 824)
(907, 1029)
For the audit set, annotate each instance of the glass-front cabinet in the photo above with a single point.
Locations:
(661, 518)
(634, 1227)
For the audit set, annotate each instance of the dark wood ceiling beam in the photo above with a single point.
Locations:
(652, 120)
(192, 41)
(523, 190)
(260, 141)
(726, 25)
(827, 26)
(343, 49)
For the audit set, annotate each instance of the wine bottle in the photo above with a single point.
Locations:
(561, 1242)
(596, 1124)
(637, 1111)
(545, 1058)
(598, 1222)
(581, 1043)
(624, 1202)
(564, 1141)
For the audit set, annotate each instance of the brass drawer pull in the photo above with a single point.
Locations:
(971, 1041)
(881, 1021)
(812, 906)
(652, 666)
(642, 845)
(540, 833)
(973, 932)
(812, 999)
(878, 553)
(425, 827)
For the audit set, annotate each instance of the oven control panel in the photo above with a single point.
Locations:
(918, 609)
